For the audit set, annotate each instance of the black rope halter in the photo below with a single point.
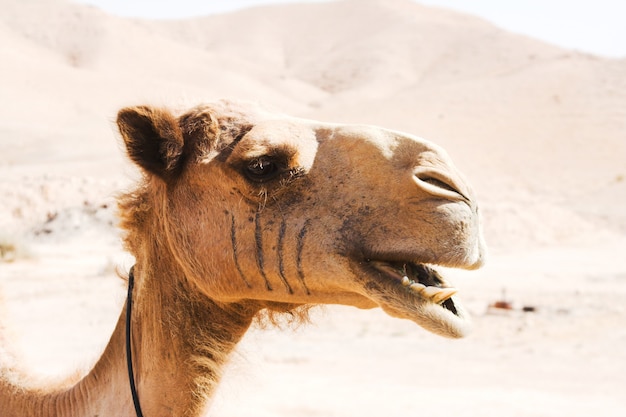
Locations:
(129, 355)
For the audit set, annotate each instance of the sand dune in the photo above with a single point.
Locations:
(540, 132)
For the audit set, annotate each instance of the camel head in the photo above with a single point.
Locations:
(254, 206)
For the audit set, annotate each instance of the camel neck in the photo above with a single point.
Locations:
(180, 343)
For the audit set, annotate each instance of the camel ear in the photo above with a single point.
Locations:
(153, 139)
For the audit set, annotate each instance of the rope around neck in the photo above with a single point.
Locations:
(129, 355)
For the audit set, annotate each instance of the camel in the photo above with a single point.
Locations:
(242, 211)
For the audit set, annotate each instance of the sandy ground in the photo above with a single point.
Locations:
(540, 132)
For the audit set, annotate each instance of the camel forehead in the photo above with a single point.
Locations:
(302, 133)
(270, 128)
(303, 138)
(288, 131)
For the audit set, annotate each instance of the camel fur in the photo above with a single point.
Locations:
(242, 211)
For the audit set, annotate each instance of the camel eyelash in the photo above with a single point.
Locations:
(266, 168)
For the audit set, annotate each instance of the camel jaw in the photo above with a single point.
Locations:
(417, 292)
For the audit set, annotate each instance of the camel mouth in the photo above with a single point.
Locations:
(421, 280)
(417, 292)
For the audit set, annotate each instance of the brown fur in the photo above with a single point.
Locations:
(244, 214)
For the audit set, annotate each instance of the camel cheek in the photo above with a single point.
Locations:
(190, 224)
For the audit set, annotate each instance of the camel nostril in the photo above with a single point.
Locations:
(439, 184)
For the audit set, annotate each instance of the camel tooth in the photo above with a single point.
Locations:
(417, 287)
(406, 281)
(444, 294)
(438, 295)
(430, 292)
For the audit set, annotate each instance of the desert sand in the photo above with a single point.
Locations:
(539, 131)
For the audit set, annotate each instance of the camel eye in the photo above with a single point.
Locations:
(261, 169)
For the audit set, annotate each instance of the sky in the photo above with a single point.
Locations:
(593, 26)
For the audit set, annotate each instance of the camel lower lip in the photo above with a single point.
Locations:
(416, 292)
